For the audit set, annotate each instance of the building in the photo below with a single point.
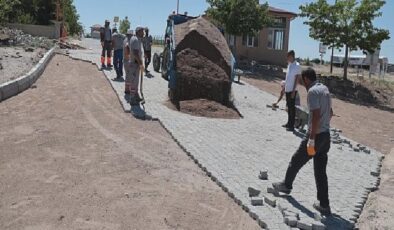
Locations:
(95, 31)
(270, 45)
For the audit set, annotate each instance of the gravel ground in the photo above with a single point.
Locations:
(70, 158)
(16, 62)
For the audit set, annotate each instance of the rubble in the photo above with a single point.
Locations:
(17, 37)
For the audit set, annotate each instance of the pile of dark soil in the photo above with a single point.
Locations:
(203, 62)
(203, 70)
(198, 77)
(205, 108)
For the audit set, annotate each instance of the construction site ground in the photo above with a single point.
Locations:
(72, 159)
(233, 151)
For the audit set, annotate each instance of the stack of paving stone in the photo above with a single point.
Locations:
(336, 138)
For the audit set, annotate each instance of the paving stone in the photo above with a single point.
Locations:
(257, 201)
(318, 226)
(291, 221)
(270, 200)
(253, 192)
(301, 224)
(376, 174)
(263, 175)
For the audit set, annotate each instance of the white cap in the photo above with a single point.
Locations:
(129, 32)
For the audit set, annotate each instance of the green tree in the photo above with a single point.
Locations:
(71, 17)
(239, 17)
(124, 25)
(7, 8)
(346, 23)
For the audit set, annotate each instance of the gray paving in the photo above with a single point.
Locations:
(233, 152)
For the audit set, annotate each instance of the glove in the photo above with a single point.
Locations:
(311, 148)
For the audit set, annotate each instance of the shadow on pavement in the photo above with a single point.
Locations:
(333, 222)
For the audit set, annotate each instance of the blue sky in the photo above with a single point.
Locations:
(153, 14)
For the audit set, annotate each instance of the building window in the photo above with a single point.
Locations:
(276, 39)
(250, 40)
(279, 22)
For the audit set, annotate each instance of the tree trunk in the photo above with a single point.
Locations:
(346, 62)
(332, 59)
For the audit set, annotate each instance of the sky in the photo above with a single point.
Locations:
(153, 14)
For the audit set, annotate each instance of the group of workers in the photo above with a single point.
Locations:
(132, 52)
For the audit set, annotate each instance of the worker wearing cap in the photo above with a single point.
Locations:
(136, 63)
(106, 44)
(117, 45)
(147, 43)
(127, 63)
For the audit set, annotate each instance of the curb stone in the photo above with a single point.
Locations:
(14, 87)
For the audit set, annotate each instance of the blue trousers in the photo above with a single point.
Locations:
(118, 62)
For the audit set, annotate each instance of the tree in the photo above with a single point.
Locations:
(7, 9)
(346, 23)
(239, 17)
(71, 17)
(124, 25)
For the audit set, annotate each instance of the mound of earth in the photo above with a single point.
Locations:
(364, 92)
(206, 108)
(201, 35)
(198, 77)
(203, 62)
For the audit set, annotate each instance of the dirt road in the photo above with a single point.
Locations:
(369, 126)
(70, 158)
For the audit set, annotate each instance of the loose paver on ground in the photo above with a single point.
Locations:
(233, 152)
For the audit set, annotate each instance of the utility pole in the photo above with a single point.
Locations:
(177, 7)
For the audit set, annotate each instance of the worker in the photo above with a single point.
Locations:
(316, 143)
(136, 64)
(117, 45)
(127, 63)
(147, 43)
(282, 93)
(106, 44)
(292, 76)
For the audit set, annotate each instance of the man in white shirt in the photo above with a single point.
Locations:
(293, 73)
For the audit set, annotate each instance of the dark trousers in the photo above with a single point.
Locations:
(107, 47)
(148, 57)
(300, 158)
(291, 111)
(118, 62)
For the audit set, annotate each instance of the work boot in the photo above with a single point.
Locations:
(281, 187)
(285, 126)
(326, 211)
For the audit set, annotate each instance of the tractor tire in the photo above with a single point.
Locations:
(165, 64)
(156, 62)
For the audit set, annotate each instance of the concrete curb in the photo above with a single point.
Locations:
(14, 87)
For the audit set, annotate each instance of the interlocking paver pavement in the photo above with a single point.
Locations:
(233, 152)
